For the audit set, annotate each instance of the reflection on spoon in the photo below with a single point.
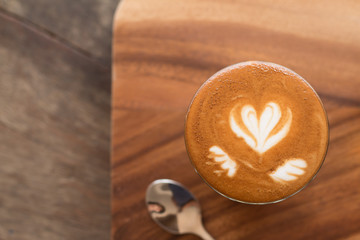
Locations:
(155, 208)
(174, 208)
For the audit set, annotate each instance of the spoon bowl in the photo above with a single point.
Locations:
(174, 208)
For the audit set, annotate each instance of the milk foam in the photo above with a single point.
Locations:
(260, 139)
(228, 164)
(256, 132)
(290, 170)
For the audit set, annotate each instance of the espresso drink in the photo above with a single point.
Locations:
(256, 132)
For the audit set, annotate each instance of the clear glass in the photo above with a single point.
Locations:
(322, 162)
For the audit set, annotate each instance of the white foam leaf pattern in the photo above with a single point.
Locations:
(260, 139)
(227, 163)
(290, 170)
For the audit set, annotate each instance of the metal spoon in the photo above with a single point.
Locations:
(174, 208)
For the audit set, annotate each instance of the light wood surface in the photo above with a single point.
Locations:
(164, 50)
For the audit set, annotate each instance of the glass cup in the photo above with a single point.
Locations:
(273, 65)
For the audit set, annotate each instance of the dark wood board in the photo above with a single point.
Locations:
(164, 50)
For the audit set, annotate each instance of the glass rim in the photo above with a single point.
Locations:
(317, 96)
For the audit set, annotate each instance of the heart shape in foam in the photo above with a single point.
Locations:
(261, 137)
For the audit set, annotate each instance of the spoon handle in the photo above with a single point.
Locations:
(201, 232)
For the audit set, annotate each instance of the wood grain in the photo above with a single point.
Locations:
(164, 50)
(85, 25)
(54, 137)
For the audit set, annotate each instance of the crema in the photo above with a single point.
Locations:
(256, 132)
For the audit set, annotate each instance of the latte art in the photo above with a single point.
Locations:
(227, 163)
(290, 171)
(256, 132)
(259, 138)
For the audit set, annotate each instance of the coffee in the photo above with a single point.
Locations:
(256, 132)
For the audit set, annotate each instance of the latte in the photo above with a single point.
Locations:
(256, 132)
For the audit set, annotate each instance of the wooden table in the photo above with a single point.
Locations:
(55, 81)
(164, 50)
